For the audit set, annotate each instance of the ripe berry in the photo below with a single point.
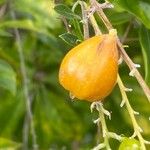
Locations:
(89, 70)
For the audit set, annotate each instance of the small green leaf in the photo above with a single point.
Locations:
(144, 36)
(6, 144)
(69, 38)
(7, 77)
(65, 11)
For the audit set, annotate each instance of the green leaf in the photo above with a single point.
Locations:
(66, 11)
(6, 144)
(24, 24)
(4, 33)
(2, 1)
(77, 29)
(44, 9)
(119, 18)
(144, 36)
(7, 77)
(139, 9)
(51, 123)
(69, 38)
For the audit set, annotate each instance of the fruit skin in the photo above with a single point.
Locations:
(89, 70)
(129, 144)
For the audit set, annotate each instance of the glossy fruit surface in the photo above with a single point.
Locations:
(129, 144)
(89, 70)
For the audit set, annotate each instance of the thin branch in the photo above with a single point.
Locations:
(29, 116)
(104, 127)
(138, 76)
(91, 17)
(84, 19)
(101, 14)
(101, 121)
(95, 25)
(137, 129)
(125, 56)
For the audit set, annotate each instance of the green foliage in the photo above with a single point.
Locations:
(7, 77)
(69, 38)
(66, 12)
(59, 122)
(144, 37)
(7, 144)
(139, 8)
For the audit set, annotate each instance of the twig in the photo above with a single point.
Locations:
(104, 127)
(29, 119)
(101, 14)
(137, 129)
(101, 121)
(91, 17)
(138, 76)
(126, 58)
(84, 19)
(87, 14)
(95, 25)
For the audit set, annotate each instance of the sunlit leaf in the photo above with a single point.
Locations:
(6, 144)
(7, 77)
(23, 24)
(42, 14)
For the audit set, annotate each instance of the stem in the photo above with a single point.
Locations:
(101, 122)
(85, 20)
(125, 56)
(29, 119)
(104, 127)
(136, 72)
(95, 25)
(131, 113)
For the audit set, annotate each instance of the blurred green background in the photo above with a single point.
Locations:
(59, 122)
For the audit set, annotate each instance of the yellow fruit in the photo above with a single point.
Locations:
(89, 70)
